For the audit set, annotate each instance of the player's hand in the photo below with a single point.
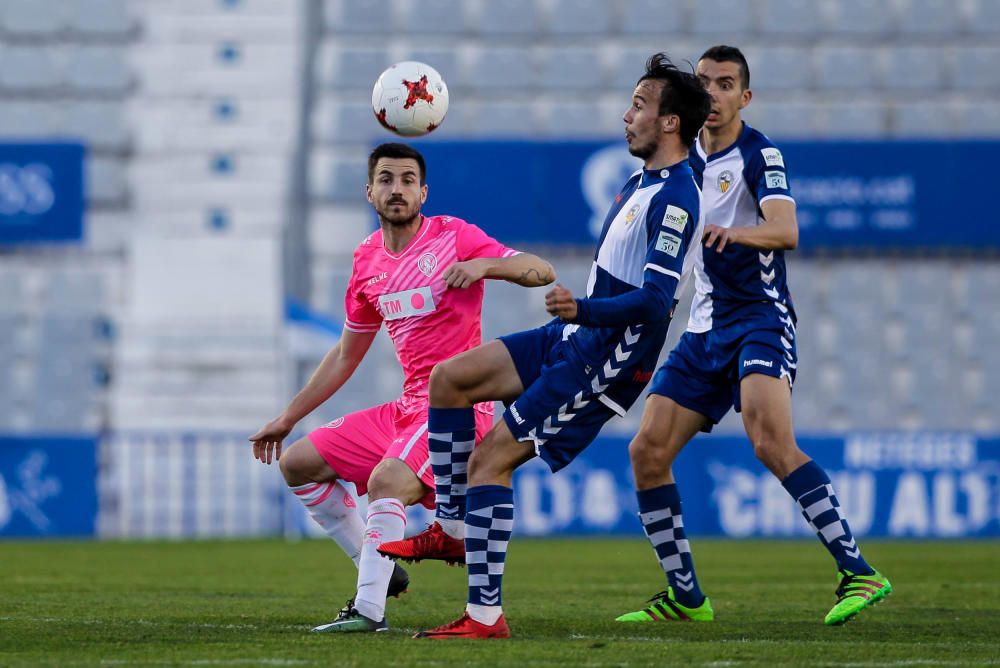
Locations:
(560, 303)
(464, 274)
(269, 439)
(722, 235)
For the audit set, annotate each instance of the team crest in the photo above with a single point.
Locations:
(427, 263)
(632, 213)
(725, 180)
(333, 425)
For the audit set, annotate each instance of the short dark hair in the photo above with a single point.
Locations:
(682, 95)
(396, 150)
(730, 54)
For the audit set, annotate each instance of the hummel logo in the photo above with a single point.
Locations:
(489, 596)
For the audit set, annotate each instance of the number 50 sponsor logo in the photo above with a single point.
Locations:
(25, 189)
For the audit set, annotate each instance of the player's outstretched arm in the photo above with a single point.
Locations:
(779, 231)
(523, 269)
(337, 366)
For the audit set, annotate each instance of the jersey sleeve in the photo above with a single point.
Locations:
(360, 315)
(473, 243)
(670, 230)
(766, 174)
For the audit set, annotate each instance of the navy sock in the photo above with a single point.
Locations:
(660, 512)
(451, 435)
(488, 523)
(810, 486)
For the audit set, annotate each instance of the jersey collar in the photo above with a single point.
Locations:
(715, 156)
(654, 176)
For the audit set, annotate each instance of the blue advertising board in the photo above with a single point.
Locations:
(48, 486)
(850, 195)
(889, 485)
(41, 192)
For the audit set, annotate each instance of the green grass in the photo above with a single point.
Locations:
(252, 603)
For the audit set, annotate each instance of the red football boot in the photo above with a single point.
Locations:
(467, 627)
(431, 543)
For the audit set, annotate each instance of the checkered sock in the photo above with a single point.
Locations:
(488, 523)
(451, 435)
(810, 487)
(660, 512)
(334, 509)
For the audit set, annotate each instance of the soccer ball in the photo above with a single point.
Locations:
(410, 99)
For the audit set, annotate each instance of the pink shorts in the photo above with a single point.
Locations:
(353, 445)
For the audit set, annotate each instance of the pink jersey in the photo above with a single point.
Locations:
(427, 321)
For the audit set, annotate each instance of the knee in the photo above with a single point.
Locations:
(441, 388)
(393, 479)
(483, 467)
(650, 458)
(300, 464)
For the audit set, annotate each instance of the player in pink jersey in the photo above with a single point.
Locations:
(423, 277)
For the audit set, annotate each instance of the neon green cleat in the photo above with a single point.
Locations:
(349, 620)
(665, 608)
(855, 593)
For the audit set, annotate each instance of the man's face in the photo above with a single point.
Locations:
(724, 83)
(643, 124)
(395, 190)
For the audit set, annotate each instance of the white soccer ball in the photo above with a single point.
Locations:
(410, 99)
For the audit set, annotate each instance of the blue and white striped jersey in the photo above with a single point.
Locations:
(740, 281)
(645, 251)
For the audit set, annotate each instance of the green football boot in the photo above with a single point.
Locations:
(349, 620)
(855, 593)
(665, 608)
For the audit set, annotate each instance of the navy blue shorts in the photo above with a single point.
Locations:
(557, 411)
(703, 372)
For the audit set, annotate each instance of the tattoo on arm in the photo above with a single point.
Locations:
(534, 276)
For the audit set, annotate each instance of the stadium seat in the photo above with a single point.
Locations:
(859, 17)
(571, 17)
(780, 68)
(856, 119)
(353, 67)
(341, 180)
(101, 18)
(98, 123)
(979, 119)
(511, 17)
(347, 121)
(105, 180)
(630, 63)
(430, 17)
(499, 119)
(915, 68)
(581, 119)
(725, 17)
(22, 17)
(975, 68)
(33, 69)
(496, 70)
(924, 119)
(572, 67)
(446, 61)
(791, 119)
(99, 69)
(929, 17)
(29, 119)
(75, 294)
(789, 17)
(985, 18)
(359, 16)
(652, 17)
(848, 67)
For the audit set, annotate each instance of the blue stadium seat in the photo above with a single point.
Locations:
(789, 17)
(21, 118)
(654, 17)
(722, 18)
(23, 17)
(924, 118)
(781, 68)
(929, 17)
(985, 18)
(792, 119)
(350, 121)
(359, 16)
(345, 181)
(975, 67)
(357, 67)
(915, 68)
(105, 181)
(32, 69)
(580, 119)
(859, 17)
(847, 67)
(572, 67)
(499, 119)
(445, 61)
(978, 119)
(99, 69)
(856, 119)
(511, 17)
(429, 17)
(570, 17)
(498, 69)
(102, 18)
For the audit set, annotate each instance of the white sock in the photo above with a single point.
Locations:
(484, 614)
(454, 528)
(334, 509)
(386, 522)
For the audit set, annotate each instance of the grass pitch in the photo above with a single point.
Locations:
(253, 603)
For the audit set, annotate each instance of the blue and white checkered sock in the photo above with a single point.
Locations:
(660, 512)
(488, 523)
(451, 435)
(810, 486)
